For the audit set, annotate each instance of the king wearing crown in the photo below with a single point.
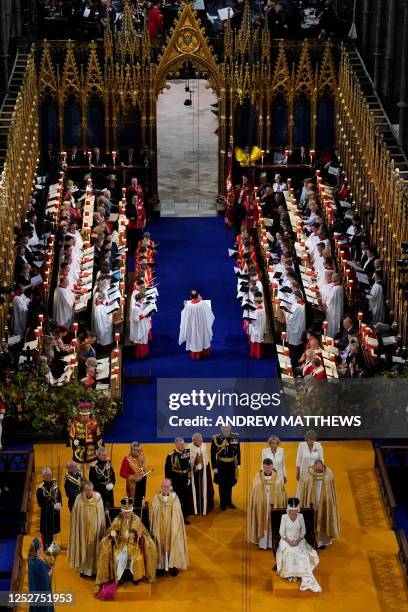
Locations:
(127, 551)
(85, 435)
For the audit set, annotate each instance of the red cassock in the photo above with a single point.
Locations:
(154, 23)
(252, 214)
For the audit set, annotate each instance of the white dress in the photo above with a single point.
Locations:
(278, 460)
(296, 561)
(305, 458)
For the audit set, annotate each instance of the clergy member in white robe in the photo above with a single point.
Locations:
(296, 321)
(256, 328)
(64, 300)
(140, 325)
(295, 558)
(103, 324)
(334, 306)
(376, 300)
(196, 324)
(201, 480)
(20, 313)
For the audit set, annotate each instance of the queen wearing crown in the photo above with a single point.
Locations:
(127, 550)
(295, 558)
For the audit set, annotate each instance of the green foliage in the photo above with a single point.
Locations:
(47, 409)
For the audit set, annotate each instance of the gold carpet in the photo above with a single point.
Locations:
(360, 571)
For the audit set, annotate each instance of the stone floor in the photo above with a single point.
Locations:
(187, 151)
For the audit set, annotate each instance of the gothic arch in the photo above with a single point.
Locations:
(187, 42)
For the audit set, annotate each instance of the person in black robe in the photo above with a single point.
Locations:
(102, 476)
(73, 483)
(225, 459)
(177, 469)
(39, 575)
(50, 501)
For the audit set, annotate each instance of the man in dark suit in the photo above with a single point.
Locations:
(368, 267)
(128, 157)
(348, 330)
(300, 156)
(75, 157)
(97, 158)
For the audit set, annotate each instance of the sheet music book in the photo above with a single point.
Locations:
(268, 222)
(103, 374)
(102, 360)
(387, 340)
(114, 295)
(111, 307)
(345, 204)
(249, 315)
(38, 264)
(232, 253)
(225, 13)
(149, 310)
(36, 280)
(362, 278)
(12, 340)
(102, 386)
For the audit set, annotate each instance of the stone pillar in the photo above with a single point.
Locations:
(378, 53)
(403, 101)
(365, 30)
(5, 23)
(390, 50)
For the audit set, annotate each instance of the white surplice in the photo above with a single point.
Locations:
(196, 326)
(256, 329)
(295, 324)
(334, 309)
(376, 303)
(202, 453)
(296, 561)
(139, 325)
(103, 325)
(19, 315)
(64, 300)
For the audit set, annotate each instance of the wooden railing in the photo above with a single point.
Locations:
(378, 183)
(385, 487)
(16, 180)
(403, 552)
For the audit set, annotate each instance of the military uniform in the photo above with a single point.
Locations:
(225, 459)
(89, 436)
(101, 473)
(177, 469)
(48, 494)
(73, 485)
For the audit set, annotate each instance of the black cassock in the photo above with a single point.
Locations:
(49, 494)
(73, 485)
(102, 473)
(177, 469)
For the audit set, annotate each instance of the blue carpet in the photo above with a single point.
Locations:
(193, 255)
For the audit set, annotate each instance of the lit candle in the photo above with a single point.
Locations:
(122, 301)
(283, 336)
(74, 342)
(89, 157)
(114, 154)
(289, 370)
(325, 328)
(75, 327)
(41, 318)
(262, 157)
(286, 155)
(312, 154)
(359, 318)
